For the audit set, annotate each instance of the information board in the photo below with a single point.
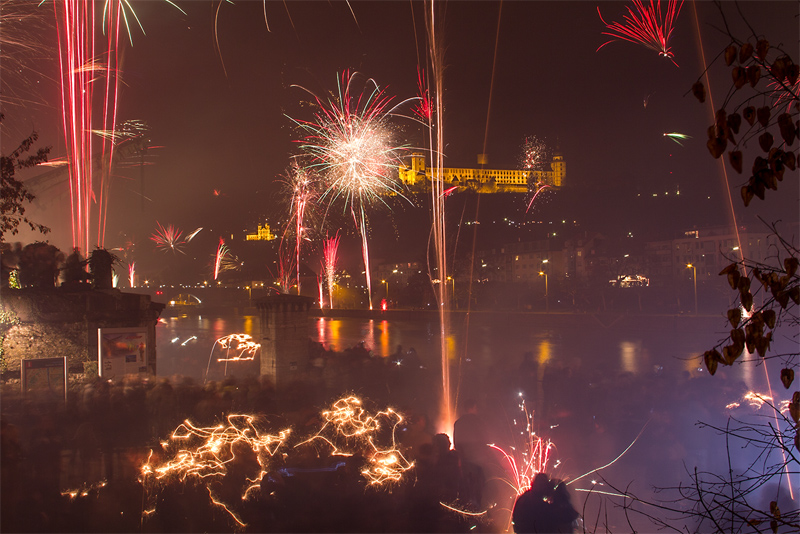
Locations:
(121, 352)
(44, 375)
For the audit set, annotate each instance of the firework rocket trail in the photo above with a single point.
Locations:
(222, 250)
(677, 137)
(132, 273)
(330, 251)
(301, 183)
(191, 236)
(539, 188)
(349, 144)
(89, 60)
(647, 26)
(436, 144)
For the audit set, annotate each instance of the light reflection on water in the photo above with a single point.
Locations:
(184, 344)
(605, 385)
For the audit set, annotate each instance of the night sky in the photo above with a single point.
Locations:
(219, 118)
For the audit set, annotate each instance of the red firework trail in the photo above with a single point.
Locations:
(89, 47)
(539, 188)
(647, 26)
(83, 73)
(424, 108)
(330, 254)
(222, 250)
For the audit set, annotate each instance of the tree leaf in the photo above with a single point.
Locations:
(786, 127)
(792, 73)
(730, 55)
(735, 317)
(711, 361)
(739, 75)
(716, 146)
(733, 278)
(794, 408)
(745, 52)
(747, 194)
(747, 300)
(762, 345)
(765, 141)
(734, 122)
(758, 187)
(763, 114)
(778, 68)
(787, 377)
(735, 157)
(749, 115)
(769, 318)
(753, 75)
(790, 265)
(789, 159)
(699, 91)
(762, 47)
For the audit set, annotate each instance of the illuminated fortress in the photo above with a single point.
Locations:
(417, 175)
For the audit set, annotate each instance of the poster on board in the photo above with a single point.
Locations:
(121, 352)
(44, 375)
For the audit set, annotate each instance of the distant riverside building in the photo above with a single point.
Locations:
(710, 250)
(417, 175)
(263, 233)
(665, 262)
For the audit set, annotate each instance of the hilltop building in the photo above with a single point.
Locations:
(263, 233)
(417, 175)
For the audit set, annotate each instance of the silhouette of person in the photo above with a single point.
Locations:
(544, 508)
(563, 512)
(469, 439)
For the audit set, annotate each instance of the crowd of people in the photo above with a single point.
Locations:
(75, 465)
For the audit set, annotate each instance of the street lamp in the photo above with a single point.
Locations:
(694, 277)
(546, 296)
(386, 284)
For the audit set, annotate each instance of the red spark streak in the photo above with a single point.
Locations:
(645, 26)
(79, 59)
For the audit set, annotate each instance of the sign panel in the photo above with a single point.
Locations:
(121, 352)
(44, 375)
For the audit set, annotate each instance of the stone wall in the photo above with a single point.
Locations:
(284, 337)
(57, 322)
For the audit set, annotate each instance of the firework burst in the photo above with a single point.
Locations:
(22, 47)
(349, 143)
(534, 154)
(646, 25)
(168, 238)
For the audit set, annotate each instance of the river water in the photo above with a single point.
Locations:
(603, 386)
